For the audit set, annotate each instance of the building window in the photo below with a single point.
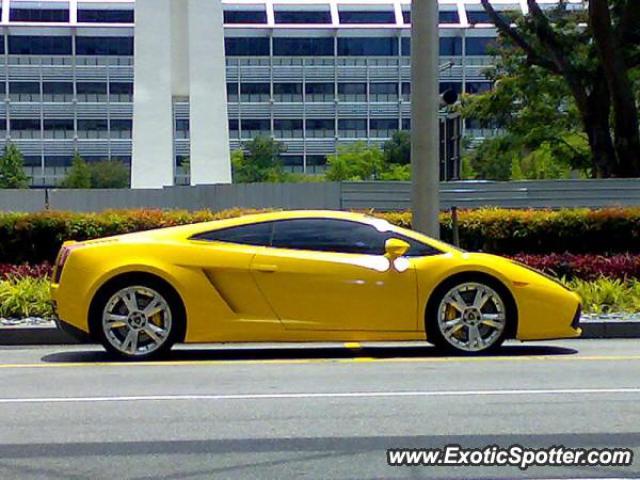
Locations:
(121, 46)
(121, 128)
(24, 91)
(121, 91)
(245, 16)
(478, 16)
(287, 92)
(480, 45)
(25, 128)
(382, 127)
(316, 163)
(406, 91)
(57, 91)
(32, 160)
(320, 127)
(362, 46)
(406, 124)
(352, 92)
(39, 15)
(443, 17)
(51, 161)
(39, 45)
(383, 91)
(105, 16)
(352, 128)
(449, 46)
(364, 16)
(453, 86)
(254, 128)
(255, 92)
(292, 163)
(283, 128)
(92, 87)
(308, 47)
(93, 128)
(58, 128)
(25, 124)
(320, 92)
(302, 16)
(246, 46)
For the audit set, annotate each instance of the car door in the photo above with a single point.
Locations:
(225, 256)
(331, 274)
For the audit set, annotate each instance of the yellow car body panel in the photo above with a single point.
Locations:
(244, 293)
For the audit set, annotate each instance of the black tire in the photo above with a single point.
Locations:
(144, 282)
(433, 323)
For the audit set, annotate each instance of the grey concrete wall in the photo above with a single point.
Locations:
(22, 200)
(334, 196)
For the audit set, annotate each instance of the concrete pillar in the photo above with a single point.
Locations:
(425, 195)
(179, 52)
(210, 159)
(152, 165)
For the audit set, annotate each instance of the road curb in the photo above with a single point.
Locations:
(49, 335)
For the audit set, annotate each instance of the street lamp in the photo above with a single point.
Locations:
(425, 133)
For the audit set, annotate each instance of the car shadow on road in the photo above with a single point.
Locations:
(271, 353)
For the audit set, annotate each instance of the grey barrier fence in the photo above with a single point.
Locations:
(334, 196)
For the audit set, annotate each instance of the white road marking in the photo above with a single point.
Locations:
(312, 395)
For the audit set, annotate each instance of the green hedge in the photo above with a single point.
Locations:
(34, 238)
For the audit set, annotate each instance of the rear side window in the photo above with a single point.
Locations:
(254, 234)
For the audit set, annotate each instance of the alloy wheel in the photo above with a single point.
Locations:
(137, 321)
(472, 317)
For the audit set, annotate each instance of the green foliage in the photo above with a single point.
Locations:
(79, 175)
(606, 295)
(109, 174)
(357, 161)
(398, 148)
(360, 161)
(25, 297)
(552, 85)
(259, 161)
(12, 168)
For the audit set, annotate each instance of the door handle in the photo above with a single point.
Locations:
(266, 268)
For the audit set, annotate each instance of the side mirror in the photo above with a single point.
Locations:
(394, 248)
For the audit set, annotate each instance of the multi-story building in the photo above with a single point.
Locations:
(313, 74)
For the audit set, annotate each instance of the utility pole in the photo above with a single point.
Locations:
(425, 128)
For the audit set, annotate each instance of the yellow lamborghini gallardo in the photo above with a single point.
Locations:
(300, 276)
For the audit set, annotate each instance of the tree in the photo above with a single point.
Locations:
(79, 175)
(109, 174)
(558, 45)
(357, 161)
(12, 168)
(398, 148)
(360, 161)
(259, 161)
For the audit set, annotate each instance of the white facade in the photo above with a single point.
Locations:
(179, 54)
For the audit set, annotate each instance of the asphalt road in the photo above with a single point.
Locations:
(311, 412)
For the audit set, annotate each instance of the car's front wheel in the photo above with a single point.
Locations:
(137, 321)
(470, 315)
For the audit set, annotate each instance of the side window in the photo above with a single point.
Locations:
(328, 235)
(258, 234)
(340, 236)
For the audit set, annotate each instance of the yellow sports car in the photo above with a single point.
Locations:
(300, 276)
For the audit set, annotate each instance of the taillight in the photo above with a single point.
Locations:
(63, 256)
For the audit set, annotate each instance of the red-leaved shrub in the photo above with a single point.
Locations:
(584, 267)
(25, 270)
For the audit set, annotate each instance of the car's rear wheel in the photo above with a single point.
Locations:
(470, 316)
(137, 320)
